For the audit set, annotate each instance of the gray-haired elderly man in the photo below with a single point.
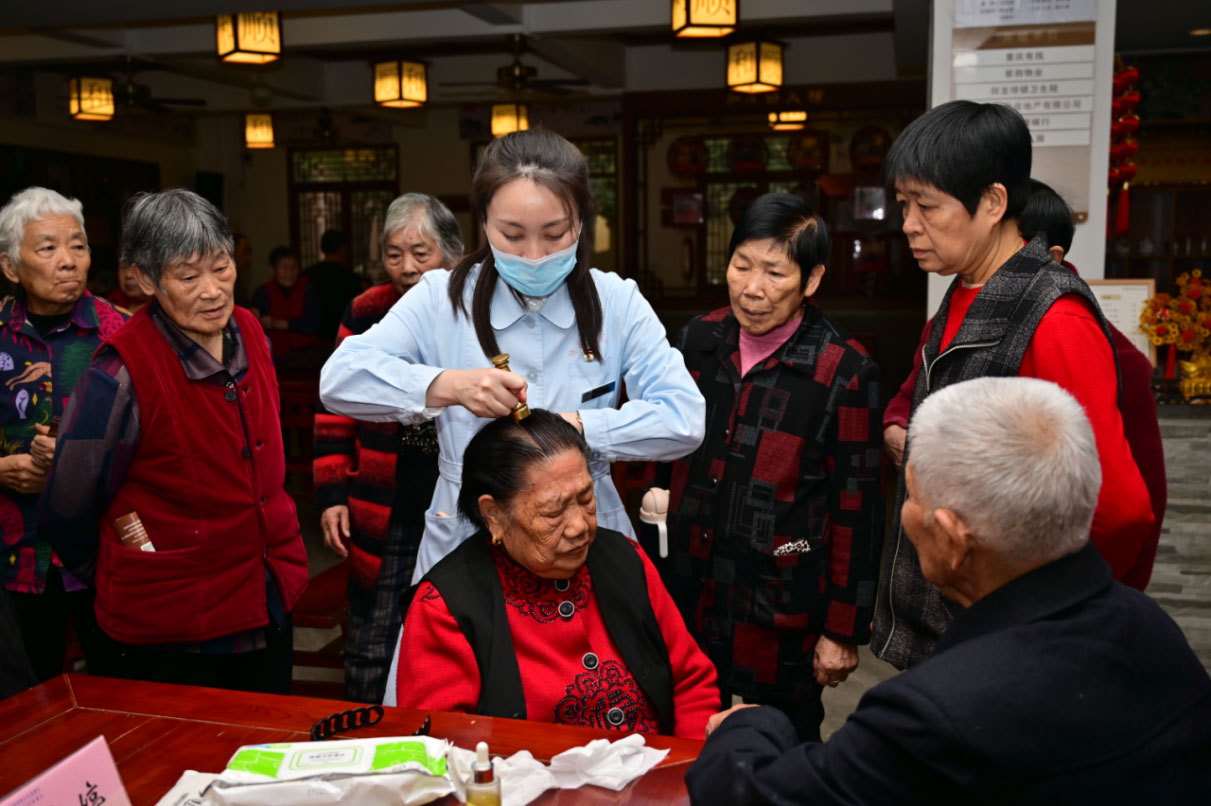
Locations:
(1054, 684)
(167, 487)
(49, 327)
(374, 511)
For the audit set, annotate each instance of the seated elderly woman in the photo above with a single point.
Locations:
(541, 615)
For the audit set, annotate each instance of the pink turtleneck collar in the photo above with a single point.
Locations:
(754, 349)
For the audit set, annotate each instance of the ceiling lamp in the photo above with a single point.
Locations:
(702, 18)
(754, 66)
(254, 37)
(258, 130)
(91, 98)
(400, 84)
(788, 121)
(509, 118)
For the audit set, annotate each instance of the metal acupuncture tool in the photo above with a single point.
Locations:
(521, 411)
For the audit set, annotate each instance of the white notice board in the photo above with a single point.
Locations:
(1122, 302)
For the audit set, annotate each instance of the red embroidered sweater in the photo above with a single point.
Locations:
(571, 672)
(1069, 348)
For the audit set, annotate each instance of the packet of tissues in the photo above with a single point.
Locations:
(385, 770)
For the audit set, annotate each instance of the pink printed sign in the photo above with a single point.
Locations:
(88, 777)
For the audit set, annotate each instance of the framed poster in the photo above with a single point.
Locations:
(682, 207)
(1122, 302)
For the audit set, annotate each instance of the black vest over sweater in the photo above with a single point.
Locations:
(470, 586)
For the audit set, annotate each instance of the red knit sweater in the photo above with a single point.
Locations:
(438, 671)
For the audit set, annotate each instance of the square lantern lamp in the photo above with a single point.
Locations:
(253, 37)
(754, 66)
(509, 118)
(258, 130)
(400, 84)
(91, 98)
(705, 18)
(788, 120)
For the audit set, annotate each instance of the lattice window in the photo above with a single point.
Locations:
(346, 189)
(719, 228)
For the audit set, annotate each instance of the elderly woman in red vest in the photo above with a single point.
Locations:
(287, 305)
(543, 616)
(175, 424)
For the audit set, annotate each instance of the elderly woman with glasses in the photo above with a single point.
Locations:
(175, 425)
(374, 480)
(542, 615)
(49, 327)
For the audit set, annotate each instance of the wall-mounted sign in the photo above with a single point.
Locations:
(1122, 302)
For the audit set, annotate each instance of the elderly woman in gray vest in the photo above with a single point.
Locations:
(960, 174)
(541, 615)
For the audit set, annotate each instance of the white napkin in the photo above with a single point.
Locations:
(523, 778)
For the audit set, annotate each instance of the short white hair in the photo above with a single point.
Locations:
(34, 204)
(1015, 458)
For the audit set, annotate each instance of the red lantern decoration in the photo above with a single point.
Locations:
(1124, 123)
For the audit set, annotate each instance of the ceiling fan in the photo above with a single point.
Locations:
(129, 94)
(518, 79)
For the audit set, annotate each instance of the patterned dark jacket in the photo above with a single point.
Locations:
(776, 521)
(377, 469)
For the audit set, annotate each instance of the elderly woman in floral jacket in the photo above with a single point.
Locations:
(775, 521)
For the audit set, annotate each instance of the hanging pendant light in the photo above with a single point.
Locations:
(254, 37)
(91, 98)
(754, 66)
(705, 18)
(400, 84)
(258, 130)
(509, 118)
(788, 120)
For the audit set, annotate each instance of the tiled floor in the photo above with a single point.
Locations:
(1181, 578)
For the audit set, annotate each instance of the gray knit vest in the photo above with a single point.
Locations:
(911, 614)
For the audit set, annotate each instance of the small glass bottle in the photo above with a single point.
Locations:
(483, 789)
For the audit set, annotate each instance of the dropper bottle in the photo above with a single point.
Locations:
(483, 789)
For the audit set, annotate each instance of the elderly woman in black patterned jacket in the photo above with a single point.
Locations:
(775, 521)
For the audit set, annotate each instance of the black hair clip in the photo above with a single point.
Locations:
(353, 719)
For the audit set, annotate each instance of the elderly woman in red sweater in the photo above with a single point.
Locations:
(541, 615)
(961, 175)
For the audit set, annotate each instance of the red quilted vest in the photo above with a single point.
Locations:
(290, 308)
(207, 482)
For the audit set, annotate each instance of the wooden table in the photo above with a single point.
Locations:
(158, 731)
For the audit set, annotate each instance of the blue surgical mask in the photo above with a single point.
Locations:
(536, 278)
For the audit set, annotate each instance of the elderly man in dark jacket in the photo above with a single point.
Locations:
(775, 521)
(1053, 684)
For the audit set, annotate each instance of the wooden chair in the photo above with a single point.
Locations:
(324, 606)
